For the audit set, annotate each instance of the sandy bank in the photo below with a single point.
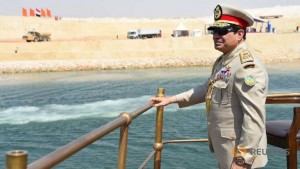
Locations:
(93, 45)
(128, 54)
(124, 54)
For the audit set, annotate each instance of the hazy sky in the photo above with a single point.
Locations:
(132, 8)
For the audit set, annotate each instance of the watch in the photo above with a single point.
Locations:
(240, 161)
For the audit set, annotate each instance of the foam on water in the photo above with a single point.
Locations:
(55, 112)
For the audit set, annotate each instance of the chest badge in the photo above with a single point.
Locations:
(250, 80)
(223, 77)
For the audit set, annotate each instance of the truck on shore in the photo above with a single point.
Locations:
(33, 36)
(143, 33)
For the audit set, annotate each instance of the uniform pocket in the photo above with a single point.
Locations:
(229, 133)
(220, 95)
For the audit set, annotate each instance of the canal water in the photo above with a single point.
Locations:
(39, 112)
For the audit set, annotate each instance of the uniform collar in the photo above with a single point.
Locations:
(227, 58)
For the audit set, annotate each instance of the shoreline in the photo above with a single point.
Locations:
(101, 64)
(112, 64)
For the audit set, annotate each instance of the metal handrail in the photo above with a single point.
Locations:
(283, 98)
(186, 141)
(168, 142)
(147, 159)
(66, 151)
(283, 95)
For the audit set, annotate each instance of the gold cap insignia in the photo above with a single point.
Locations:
(219, 24)
(218, 12)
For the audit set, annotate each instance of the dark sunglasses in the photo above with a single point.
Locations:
(222, 31)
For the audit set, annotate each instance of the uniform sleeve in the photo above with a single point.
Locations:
(193, 96)
(252, 100)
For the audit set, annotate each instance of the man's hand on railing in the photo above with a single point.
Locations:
(163, 101)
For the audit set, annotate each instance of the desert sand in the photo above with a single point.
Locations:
(101, 43)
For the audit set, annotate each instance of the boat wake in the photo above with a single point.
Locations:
(55, 112)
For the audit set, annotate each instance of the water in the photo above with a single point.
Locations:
(40, 112)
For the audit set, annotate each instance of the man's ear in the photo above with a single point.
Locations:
(240, 34)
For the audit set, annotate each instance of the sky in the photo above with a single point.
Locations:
(132, 8)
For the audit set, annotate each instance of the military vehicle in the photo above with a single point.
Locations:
(33, 36)
(143, 33)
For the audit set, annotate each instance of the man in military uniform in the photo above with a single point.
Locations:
(235, 95)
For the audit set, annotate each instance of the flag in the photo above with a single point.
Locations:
(32, 12)
(37, 12)
(48, 13)
(24, 12)
(43, 13)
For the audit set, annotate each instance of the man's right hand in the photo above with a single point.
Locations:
(163, 101)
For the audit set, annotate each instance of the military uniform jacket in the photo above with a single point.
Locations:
(236, 117)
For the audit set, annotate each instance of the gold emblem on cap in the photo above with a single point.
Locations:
(218, 12)
(220, 24)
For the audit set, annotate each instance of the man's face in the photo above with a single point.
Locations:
(226, 40)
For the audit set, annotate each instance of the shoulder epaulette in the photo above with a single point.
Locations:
(246, 56)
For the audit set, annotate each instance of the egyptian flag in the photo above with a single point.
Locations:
(37, 12)
(43, 13)
(24, 12)
(32, 12)
(48, 13)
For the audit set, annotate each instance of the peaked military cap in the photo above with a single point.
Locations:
(225, 15)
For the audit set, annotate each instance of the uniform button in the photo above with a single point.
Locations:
(208, 123)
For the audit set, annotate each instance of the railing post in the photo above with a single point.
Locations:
(16, 159)
(123, 141)
(158, 145)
